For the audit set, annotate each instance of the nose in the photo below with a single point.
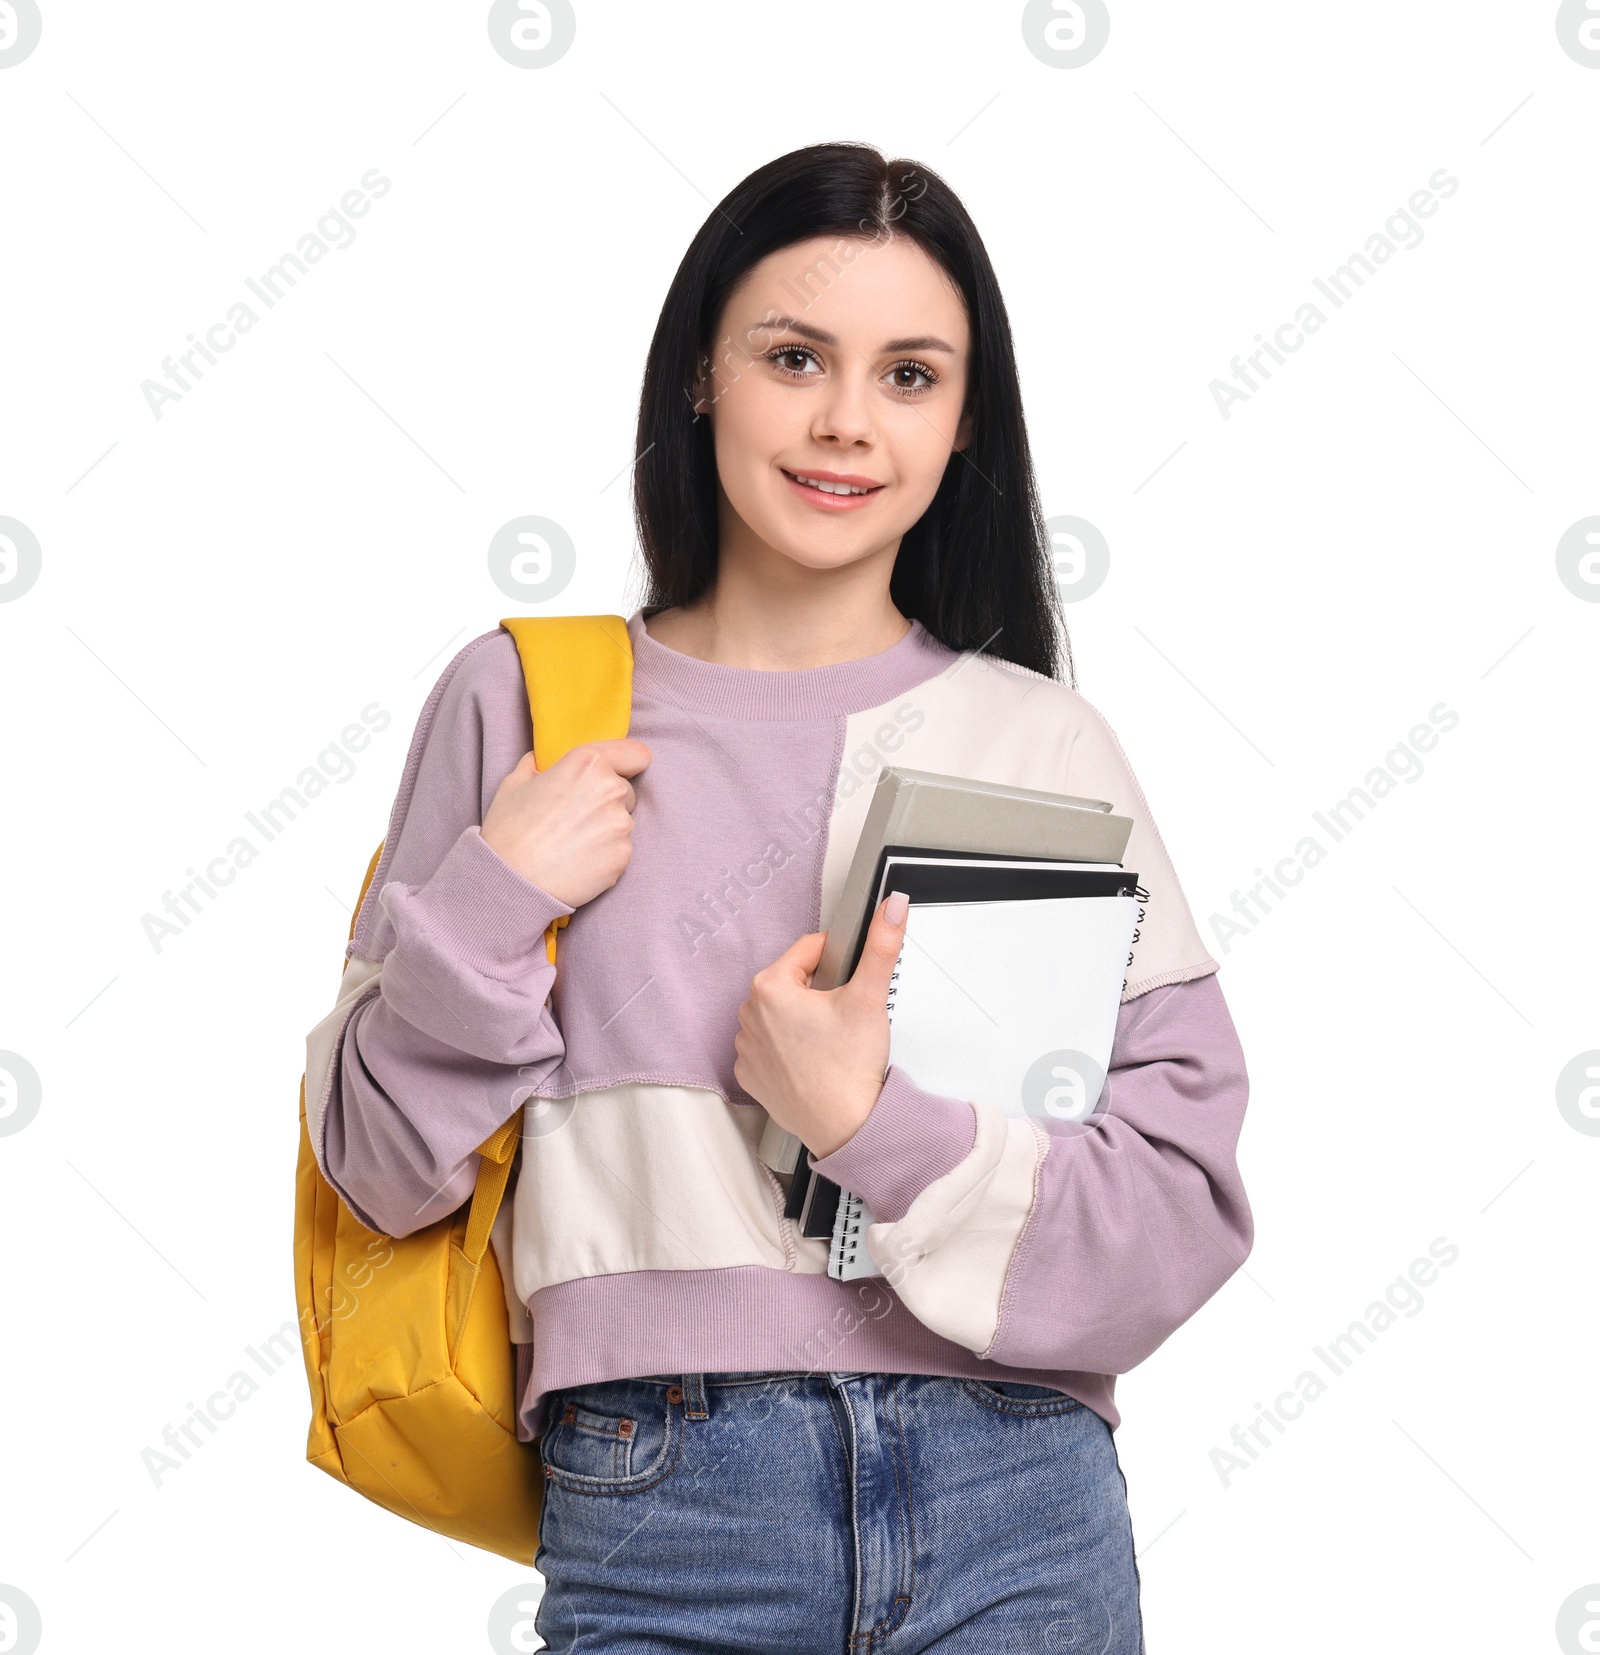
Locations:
(844, 415)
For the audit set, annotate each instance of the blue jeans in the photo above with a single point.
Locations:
(833, 1513)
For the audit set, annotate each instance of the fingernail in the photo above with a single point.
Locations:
(894, 910)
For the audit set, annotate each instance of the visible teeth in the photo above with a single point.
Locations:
(830, 488)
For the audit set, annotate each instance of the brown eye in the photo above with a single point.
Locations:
(795, 361)
(912, 378)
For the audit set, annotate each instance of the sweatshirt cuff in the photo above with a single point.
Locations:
(477, 909)
(909, 1139)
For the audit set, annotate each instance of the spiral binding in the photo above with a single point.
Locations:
(1142, 896)
(849, 1229)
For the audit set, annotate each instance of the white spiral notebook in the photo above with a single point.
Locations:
(1011, 1003)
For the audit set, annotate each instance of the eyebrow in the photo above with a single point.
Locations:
(789, 324)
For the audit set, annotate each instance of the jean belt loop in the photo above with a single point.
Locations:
(694, 1396)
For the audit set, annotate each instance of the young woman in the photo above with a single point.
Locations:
(846, 566)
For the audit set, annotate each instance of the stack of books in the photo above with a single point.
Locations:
(1019, 934)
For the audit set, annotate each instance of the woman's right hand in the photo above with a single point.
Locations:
(569, 829)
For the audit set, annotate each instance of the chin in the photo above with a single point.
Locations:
(815, 557)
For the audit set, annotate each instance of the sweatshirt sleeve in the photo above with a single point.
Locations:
(1073, 1246)
(442, 1026)
(1063, 1245)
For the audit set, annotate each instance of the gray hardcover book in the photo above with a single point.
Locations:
(952, 813)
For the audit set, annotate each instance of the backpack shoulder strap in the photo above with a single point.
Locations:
(579, 674)
(578, 670)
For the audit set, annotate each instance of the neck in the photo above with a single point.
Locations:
(772, 614)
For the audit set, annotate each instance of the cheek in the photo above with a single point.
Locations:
(928, 430)
(751, 430)
(921, 451)
(741, 465)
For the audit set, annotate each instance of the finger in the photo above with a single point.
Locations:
(800, 958)
(624, 754)
(885, 937)
(523, 771)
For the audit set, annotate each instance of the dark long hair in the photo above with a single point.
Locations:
(975, 568)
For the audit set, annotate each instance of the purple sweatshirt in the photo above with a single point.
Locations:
(645, 1235)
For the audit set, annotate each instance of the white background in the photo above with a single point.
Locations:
(1291, 590)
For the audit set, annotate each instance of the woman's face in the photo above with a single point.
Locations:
(842, 362)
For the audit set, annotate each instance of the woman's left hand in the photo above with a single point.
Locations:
(815, 1058)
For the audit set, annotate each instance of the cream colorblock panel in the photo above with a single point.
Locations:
(947, 1258)
(361, 978)
(646, 1177)
(999, 723)
(503, 1241)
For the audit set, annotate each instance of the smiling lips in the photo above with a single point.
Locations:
(833, 490)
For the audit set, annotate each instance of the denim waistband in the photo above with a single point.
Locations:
(694, 1390)
(741, 1378)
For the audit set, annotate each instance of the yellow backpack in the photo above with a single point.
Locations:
(407, 1339)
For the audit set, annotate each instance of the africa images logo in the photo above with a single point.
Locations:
(20, 558)
(20, 27)
(1578, 30)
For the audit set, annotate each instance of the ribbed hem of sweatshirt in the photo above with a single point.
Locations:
(746, 1319)
(910, 1138)
(805, 692)
(477, 909)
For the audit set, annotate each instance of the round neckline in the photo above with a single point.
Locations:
(833, 691)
